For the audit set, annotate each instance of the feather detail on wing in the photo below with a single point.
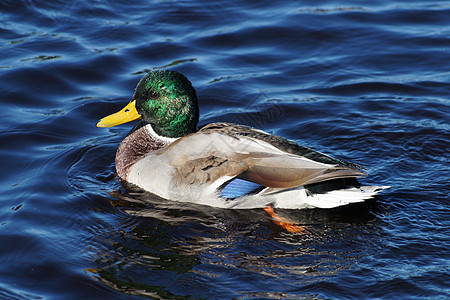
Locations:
(209, 157)
(296, 173)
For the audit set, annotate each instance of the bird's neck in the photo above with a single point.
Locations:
(140, 142)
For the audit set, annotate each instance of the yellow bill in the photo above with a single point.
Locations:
(127, 114)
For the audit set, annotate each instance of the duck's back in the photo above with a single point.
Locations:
(276, 141)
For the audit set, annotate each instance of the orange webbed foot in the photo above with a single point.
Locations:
(284, 222)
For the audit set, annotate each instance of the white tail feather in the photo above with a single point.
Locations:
(343, 197)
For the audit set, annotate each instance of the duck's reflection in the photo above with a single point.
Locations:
(164, 249)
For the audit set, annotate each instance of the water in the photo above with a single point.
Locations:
(366, 82)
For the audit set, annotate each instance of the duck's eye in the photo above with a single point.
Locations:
(153, 95)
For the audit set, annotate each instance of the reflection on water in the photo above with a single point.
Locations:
(201, 251)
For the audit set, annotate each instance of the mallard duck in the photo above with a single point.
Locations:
(222, 164)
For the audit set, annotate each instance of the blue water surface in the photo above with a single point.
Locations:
(365, 81)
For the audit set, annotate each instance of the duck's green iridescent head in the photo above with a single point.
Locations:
(165, 99)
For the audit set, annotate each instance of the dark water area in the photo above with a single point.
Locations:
(364, 81)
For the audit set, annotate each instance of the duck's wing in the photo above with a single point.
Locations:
(276, 141)
(218, 153)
